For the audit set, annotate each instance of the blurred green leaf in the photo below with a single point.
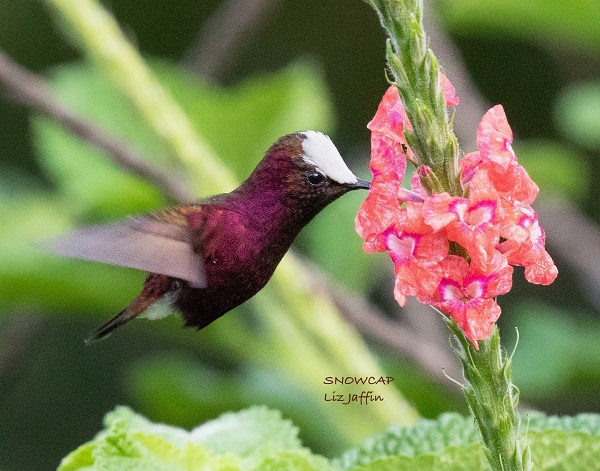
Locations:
(91, 184)
(577, 113)
(331, 240)
(243, 121)
(185, 392)
(239, 122)
(555, 168)
(557, 352)
(573, 23)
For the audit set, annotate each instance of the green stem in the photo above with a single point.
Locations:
(99, 36)
(493, 398)
(416, 74)
(315, 314)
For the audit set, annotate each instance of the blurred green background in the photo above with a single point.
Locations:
(304, 64)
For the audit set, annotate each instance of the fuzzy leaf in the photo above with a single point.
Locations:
(252, 434)
(425, 437)
(451, 443)
(453, 459)
(256, 438)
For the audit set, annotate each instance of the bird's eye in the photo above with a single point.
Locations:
(315, 178)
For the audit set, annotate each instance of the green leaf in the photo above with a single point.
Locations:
(565, 443)
(259, 439)
(255, 438)
(454, 459)
(425, 437)
(451, 443)
(252, 434)
(81, 458)
(564, 450)
(588, 424)
(567, 24)
(286, 461)
(557, 353)
(240, 123)
(555, 168)
(577, 113)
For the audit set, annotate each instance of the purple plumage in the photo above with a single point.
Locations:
(211, 256)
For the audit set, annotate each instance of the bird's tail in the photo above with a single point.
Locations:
(155, 287)
(106, 329)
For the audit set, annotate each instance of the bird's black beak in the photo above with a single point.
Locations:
(360, 184)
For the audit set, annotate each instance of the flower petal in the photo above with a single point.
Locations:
(542, 271)
(449, 91)
(494, 137)
(437, 210)
(378, 212)
(390, 118)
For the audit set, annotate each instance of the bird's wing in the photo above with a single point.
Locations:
(144, 243)
(217, 229)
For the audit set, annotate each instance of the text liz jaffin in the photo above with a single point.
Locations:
(362, 398)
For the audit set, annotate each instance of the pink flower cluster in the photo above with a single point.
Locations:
(453, 252)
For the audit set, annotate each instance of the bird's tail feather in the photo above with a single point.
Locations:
(106, 329)
(155, 287)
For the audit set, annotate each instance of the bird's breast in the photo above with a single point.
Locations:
(240, 247)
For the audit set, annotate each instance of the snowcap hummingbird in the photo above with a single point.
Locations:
(210, 256)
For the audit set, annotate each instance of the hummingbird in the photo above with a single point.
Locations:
(205, 258)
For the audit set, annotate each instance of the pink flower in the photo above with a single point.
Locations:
(494, 137)
(525, 246)
(416, 252)
(466, 294)
(472, 222)
(512, 182)
(494, 140)
(388, 165)
(453, 251)
(390, 118)
(449, 91)
(378, 212)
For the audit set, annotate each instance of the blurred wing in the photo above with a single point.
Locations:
(142, 243)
